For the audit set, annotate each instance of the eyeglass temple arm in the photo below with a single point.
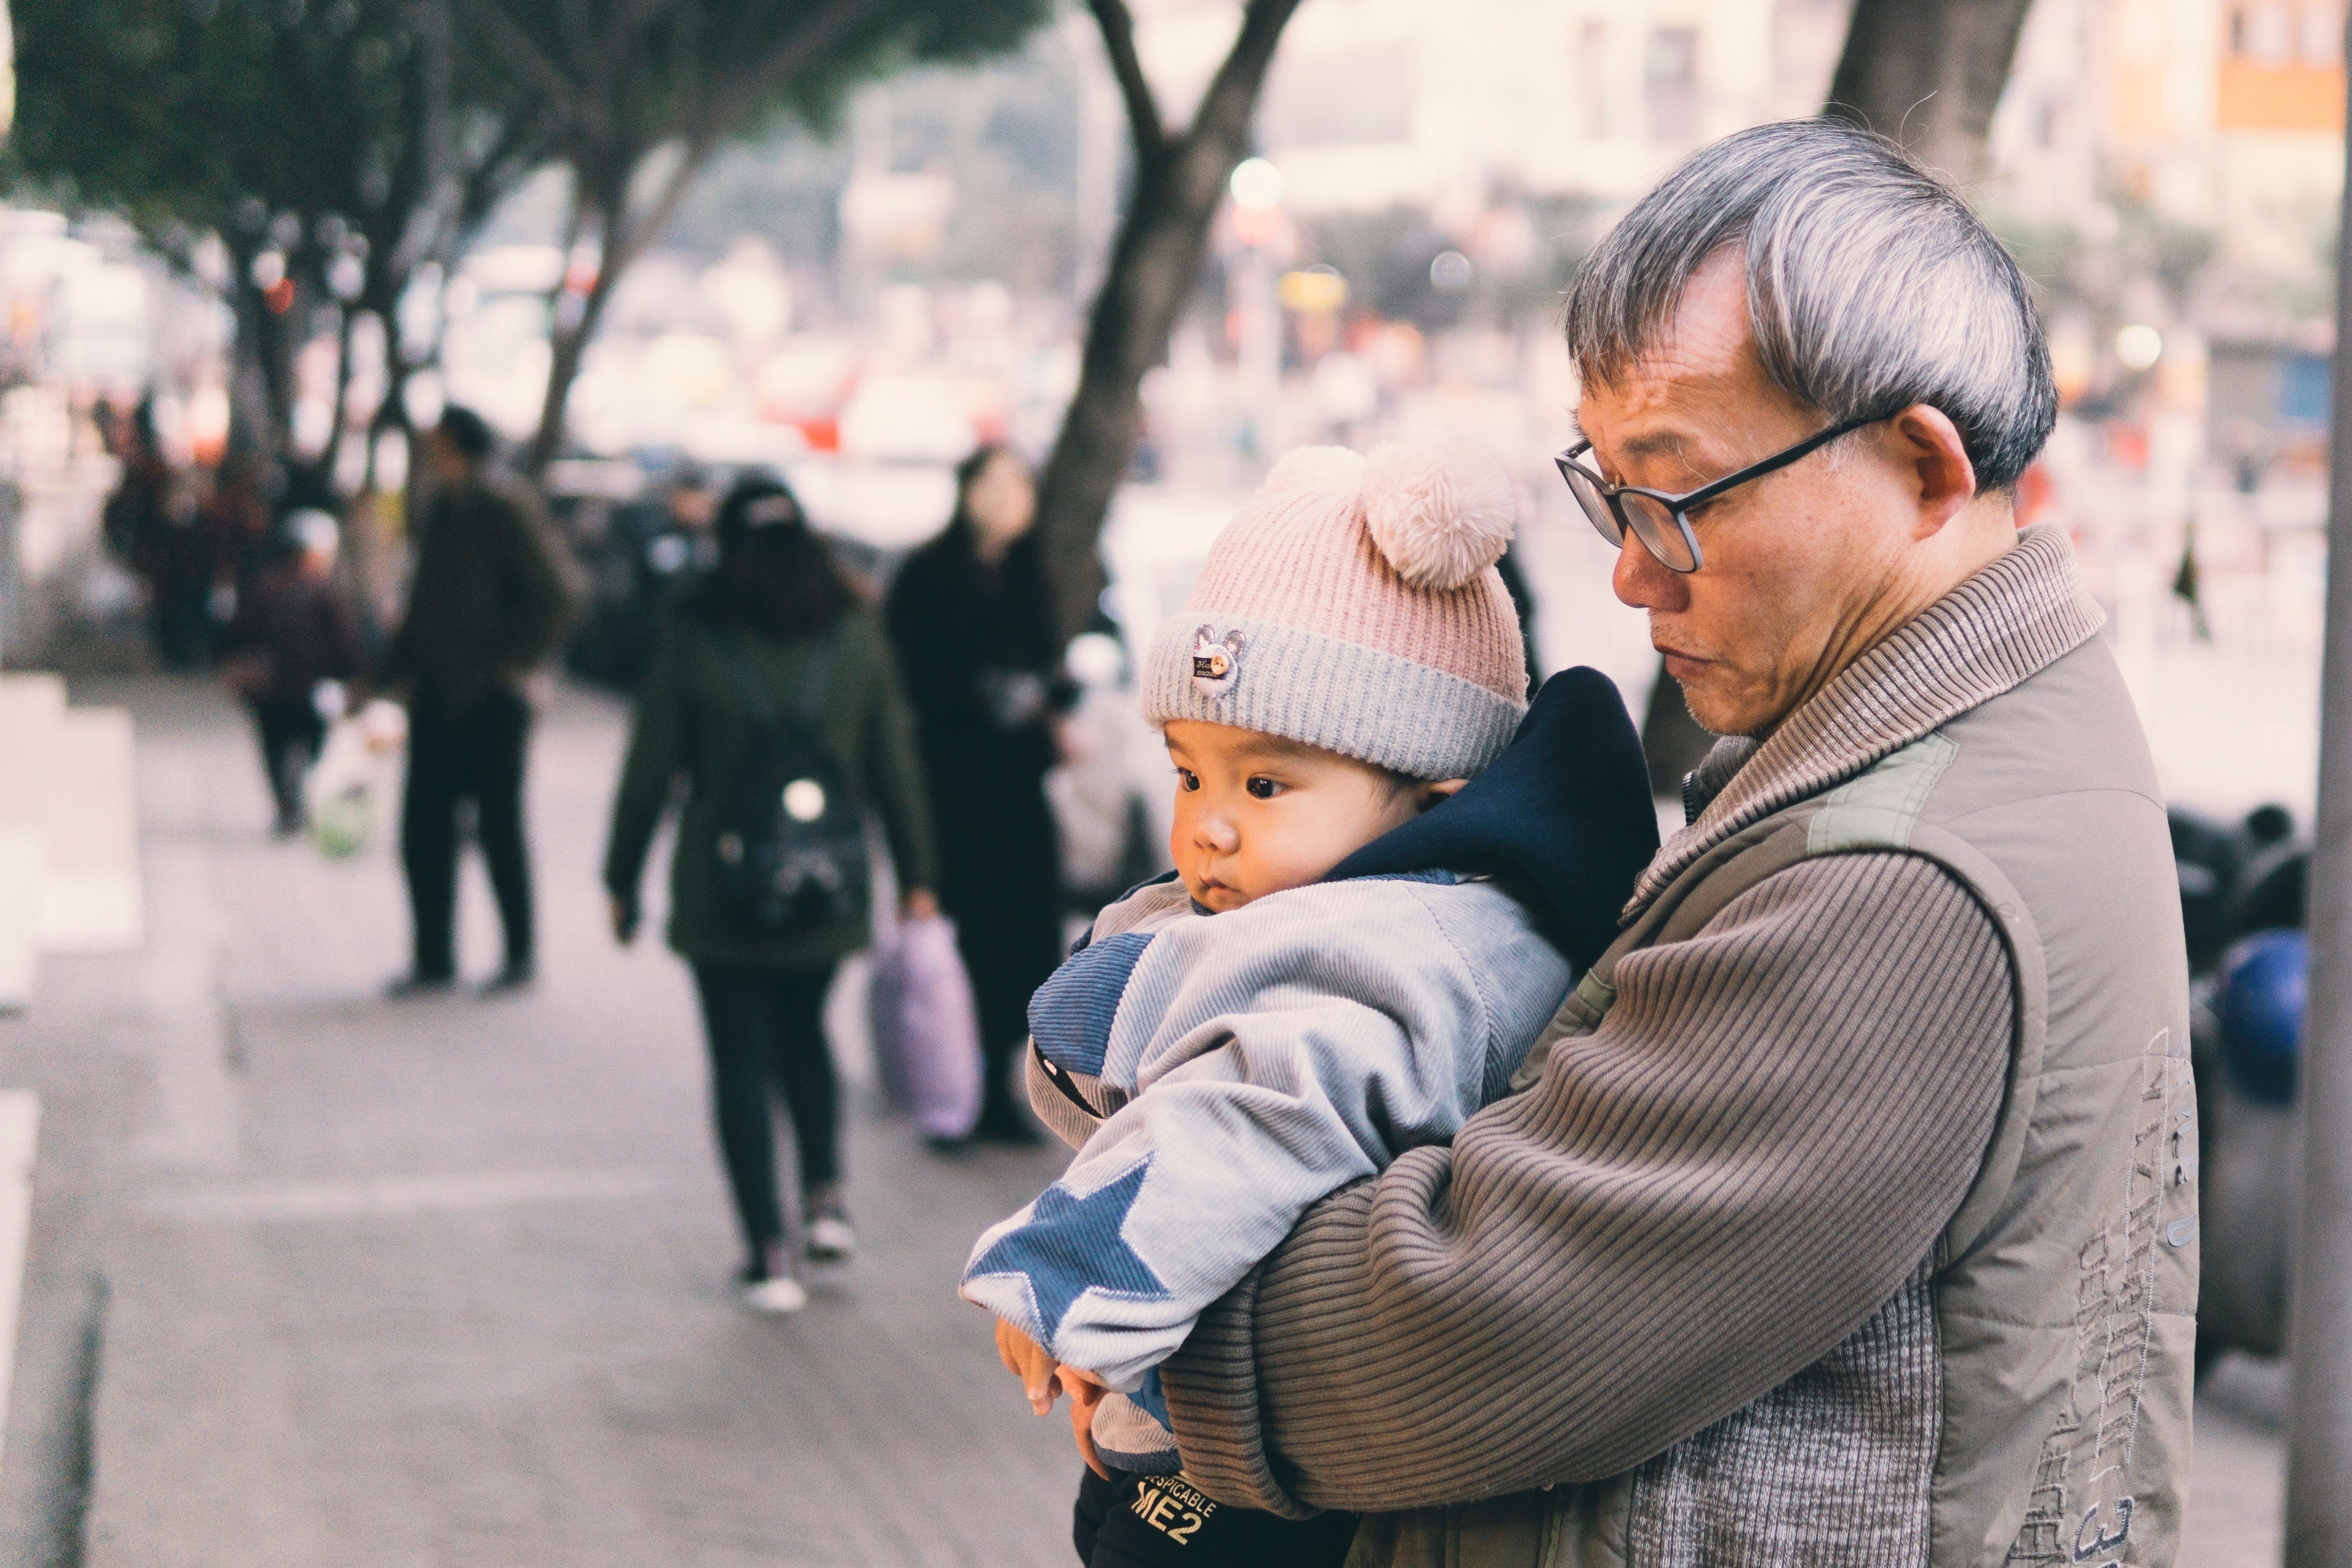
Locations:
(1774, 464)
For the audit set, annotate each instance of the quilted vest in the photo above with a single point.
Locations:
(2025, 1398)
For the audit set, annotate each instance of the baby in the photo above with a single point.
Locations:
(1330, 977)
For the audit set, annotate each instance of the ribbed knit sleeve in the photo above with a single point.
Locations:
(1763, 1139)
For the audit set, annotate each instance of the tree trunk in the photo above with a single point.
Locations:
(1153, 265)
(261, 382)
(621, 242)
(1928, 74)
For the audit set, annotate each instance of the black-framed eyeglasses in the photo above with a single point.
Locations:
(1661, 519)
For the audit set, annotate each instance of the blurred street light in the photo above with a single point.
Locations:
(1450, 273)
(2138, 346)
(1313, 289)
(1257, 184)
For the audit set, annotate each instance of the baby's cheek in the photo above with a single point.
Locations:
(1281, 867)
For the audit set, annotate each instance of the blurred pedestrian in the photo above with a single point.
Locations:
(973, 622)
(287, 652)
(2189, 585)
(769, 666)
(155, 523)
(488, 606)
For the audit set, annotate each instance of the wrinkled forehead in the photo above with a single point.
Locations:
(1699, 370)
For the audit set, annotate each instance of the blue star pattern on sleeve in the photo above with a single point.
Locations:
(1072, 1245)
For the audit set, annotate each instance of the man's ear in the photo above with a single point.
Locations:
(1431, 793)
(1925, 441)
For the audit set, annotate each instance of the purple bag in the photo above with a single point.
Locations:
(926, 1027)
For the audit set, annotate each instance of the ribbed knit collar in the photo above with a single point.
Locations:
(2005, 624)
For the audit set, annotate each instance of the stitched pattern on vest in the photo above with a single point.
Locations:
(1828, 1469)
(2114, 1321)
(1881, 805)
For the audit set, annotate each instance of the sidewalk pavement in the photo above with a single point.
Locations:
(447, 1282)
(321, 1279)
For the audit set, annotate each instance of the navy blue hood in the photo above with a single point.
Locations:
(1566, 812)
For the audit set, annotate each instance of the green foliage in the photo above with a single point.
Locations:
(623, 77)
(219, 115)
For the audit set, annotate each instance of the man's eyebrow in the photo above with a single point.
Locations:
(1667, 441)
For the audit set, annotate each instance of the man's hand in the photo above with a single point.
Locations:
(624, 912)
(1029, 1362)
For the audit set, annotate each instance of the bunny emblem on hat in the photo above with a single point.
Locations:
(1216, 661)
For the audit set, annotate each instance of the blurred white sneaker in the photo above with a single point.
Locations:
(779, 1295)
(830, 1238)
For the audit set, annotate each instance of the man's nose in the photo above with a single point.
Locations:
(1641, 581)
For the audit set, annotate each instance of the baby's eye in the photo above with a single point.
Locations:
(1263, 788)
(1187, 780)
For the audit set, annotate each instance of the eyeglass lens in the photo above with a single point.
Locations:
(1652, 523)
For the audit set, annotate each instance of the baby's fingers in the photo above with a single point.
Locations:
(1082, 1429)
(1007, 1349)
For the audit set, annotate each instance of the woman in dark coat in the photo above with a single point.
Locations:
(973, 624)
(774, 618)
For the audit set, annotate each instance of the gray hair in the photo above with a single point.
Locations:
(1871, 285)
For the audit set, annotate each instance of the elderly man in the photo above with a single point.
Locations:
(1846, 1213)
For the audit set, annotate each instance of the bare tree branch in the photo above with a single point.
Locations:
(562, 94)
(1232, 99)
(1117, 29)
(625, 235)
(729, 103)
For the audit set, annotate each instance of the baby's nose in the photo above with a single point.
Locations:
(1216, 832)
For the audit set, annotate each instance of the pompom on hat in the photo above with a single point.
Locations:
(1354, 605)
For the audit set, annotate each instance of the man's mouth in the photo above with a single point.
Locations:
(1681, 665)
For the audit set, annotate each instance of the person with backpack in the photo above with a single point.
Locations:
(773, 692)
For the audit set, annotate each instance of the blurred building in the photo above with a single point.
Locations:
(2194, 150)
(1375, 104)
(2223, 113)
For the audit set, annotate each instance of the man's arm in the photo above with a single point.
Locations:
(539, 579)
(1764, 1137)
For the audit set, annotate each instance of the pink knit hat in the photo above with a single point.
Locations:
(1354, 605)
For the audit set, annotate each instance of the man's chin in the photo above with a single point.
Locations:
(1721, 713)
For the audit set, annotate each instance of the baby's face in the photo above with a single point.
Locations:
(1256, 814)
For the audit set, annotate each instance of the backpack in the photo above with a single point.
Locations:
(790, 851)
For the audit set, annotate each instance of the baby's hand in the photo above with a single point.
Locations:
(1085, 1394)
(1029, 1362)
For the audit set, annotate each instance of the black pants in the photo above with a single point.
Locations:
(1145, 1522)
(767, 1038)
(292, 734)
(1009, 951)
(1000, 881)
(473, 755)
